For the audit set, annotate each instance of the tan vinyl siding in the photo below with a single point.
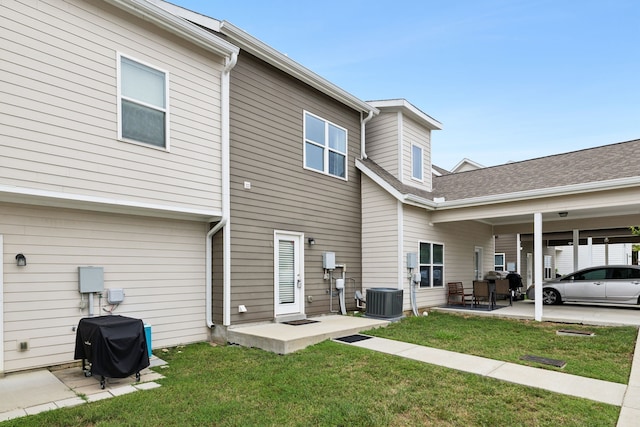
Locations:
(459, 240)
(58, 127)
(379, 237)
(413, 133)
(382, 141)
(267, 150)
(159, 264)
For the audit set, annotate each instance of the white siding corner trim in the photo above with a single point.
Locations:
(1, 306)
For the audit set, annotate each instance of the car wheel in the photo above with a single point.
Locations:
(550, 296)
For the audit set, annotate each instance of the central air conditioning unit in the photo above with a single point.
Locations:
(384, 303)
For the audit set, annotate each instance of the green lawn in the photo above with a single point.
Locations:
(607, 355)
(332, 384)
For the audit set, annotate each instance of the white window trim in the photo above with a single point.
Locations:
(413, 177)
(430, 286)
(326, 148)
(166, 110)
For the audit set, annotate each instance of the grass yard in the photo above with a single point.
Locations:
(606, 356)
(333, 384)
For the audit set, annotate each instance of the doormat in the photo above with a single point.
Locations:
(553, 362)
(353, 338)
(300, 322)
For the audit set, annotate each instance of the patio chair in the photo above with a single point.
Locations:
(457, 295)
(481, 292)
(504, 290)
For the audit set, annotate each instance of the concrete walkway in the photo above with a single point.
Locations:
(32, 392)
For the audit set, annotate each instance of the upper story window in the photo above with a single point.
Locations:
(143, 103)
(325, 146)
(416, 162)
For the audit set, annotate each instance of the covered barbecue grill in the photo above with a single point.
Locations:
(113, 346)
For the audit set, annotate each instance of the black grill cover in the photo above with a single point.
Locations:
(114, 345)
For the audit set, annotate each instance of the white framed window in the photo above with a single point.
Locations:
(325, 146)
(431, 265)
(548, 264)
(416, 162)
(143, 103)
(499, 262)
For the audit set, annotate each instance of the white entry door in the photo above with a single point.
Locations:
(289, 273)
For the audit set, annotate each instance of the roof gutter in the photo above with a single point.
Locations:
(271, 56)
(567, 190)
(176, 25)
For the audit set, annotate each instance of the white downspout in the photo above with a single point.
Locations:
(363, 122)
(226, 206)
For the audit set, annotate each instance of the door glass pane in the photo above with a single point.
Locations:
(286, 271)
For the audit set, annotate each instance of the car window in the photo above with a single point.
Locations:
(596, 274)
(633, 273)
(619, 273)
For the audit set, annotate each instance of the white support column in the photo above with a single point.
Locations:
(576, 248)
(538, 272)
(518, 254)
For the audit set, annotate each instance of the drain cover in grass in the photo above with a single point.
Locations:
(575, 333)
(353, 338)
(544, 360)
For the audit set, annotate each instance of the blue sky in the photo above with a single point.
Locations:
(509, 80)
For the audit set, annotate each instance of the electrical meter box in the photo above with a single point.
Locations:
(115, 295)
(329, 260)
(90, 279)
(412, 260)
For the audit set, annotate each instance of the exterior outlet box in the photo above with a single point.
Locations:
(115, 296)
(412, 260)
(90, 279)
(329, 260)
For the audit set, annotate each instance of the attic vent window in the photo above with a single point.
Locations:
(416, 162)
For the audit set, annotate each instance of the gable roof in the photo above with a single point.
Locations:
(604, 164)
(466, 165)
(599, 168)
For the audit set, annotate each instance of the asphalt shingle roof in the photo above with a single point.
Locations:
(621, 160)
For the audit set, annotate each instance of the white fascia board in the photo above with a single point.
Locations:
(291, 67)
(176, 25)
(40, 197)
(567, 190)
(409, 109)
(409, 199)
